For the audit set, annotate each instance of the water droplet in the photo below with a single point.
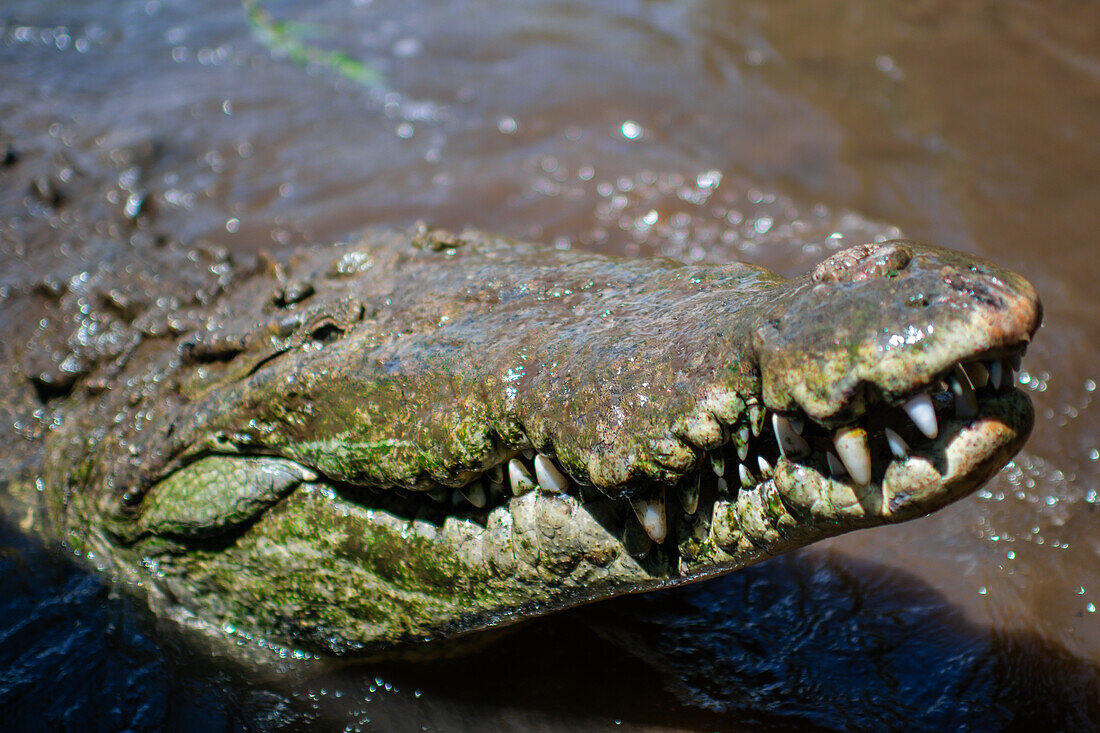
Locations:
(631, 130)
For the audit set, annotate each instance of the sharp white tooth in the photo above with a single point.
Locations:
(966, 403)
(550, 478)
(851, 446)
(475, 494)
(920, 411)
(979, 375)
(519, 477)
(765, 467)
(723, 487)
(756, 419)
(1010, 373)
(745, 476)
(689, 494)
(1015, 361)
(496, 474)
(651, 513)
(718, 464)
(996, 373)
(791, 444)
(898, 446)
(743, 436)
(835, 466)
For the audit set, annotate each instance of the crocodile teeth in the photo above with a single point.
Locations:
(765, 467)
(835, 466)
(996, 373)
(718, 464)
(851, 446)
(743, 436)
(979, 375)
(790, 442)
(550, 478)
(651, 513)
(756, 419)
(496, 474)
(745, 476)
(519, 477)
(920, 411)
(689, 494)
(475, 494)
(898, 447)
(966, 402)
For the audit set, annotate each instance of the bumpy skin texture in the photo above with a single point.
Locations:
(260, 457)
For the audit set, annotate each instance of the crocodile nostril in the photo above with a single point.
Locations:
(864, 261)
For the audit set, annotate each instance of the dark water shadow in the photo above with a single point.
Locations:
(804, 641)
(808, 641)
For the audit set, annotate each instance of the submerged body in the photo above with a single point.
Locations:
(412, 436)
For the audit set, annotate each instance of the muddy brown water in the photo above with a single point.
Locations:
(704, 130)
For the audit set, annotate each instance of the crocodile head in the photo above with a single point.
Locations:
(467, 432)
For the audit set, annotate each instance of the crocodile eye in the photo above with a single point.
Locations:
(326, 333)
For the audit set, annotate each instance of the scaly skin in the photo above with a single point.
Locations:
(315, 451)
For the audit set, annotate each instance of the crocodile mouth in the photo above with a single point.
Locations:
(955, 425)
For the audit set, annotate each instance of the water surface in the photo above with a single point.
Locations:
(706, 131)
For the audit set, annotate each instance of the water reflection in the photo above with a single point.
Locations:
(702, 130)
(808, 640)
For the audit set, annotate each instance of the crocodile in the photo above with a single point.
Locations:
(411, 436)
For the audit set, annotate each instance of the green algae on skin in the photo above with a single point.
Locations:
(461, 432)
